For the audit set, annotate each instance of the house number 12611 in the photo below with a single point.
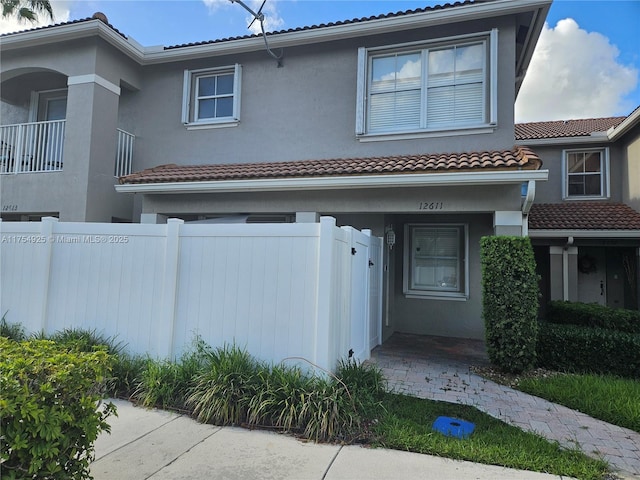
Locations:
(431, 206)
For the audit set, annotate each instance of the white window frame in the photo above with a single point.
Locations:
(604, 174)
(462, 293)
(39, 102)
(189, 100)
(490, 95)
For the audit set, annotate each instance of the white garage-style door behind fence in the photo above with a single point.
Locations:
(309, 290)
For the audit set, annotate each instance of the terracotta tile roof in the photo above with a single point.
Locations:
(71, 22)
(332, 24)
(518, 158)
(298, 29)
(565, 128)
(583, 216)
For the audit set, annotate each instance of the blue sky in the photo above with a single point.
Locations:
(588, 64)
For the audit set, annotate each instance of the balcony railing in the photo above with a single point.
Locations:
(32, 147)
(38, 147)
(124, 153)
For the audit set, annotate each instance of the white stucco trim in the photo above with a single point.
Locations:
(153, 55)
(94, 78)
(628, 123)
(337, 183)
(631, 234)
(507, 218)
(595, 138)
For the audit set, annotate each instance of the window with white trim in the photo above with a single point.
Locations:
(586, 173)
(435, 260)
(428, 87)
(211, 97)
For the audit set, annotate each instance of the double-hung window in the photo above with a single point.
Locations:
(211, 97)
(586, 174)
(434, 262)
(419, 88)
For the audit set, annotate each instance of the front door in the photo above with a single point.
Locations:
(52, 107)
(592, 275)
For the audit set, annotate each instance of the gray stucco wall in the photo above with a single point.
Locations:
(631, 170)
(442, 317)
(84, 190)
(304, 110)
(552, 158)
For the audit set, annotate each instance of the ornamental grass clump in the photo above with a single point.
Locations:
(235, 389)
(222, 391)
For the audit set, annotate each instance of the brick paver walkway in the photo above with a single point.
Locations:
(439, 369)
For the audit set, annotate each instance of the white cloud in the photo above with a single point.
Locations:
(574, 74)
(61, 10)
(214, 5)
(272, 19)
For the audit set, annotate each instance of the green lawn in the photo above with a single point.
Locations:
(407, 425)
(605, 397)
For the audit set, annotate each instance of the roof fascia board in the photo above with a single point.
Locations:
(541, 142)
(522, 63)
(69, 32)
(626, 125)
(153, 55)
(337, 183)
(368, 27)
(605, 234)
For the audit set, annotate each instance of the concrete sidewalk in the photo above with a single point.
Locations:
(154, 444)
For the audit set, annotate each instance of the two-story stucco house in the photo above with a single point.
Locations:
(585, 223)
(401, 123)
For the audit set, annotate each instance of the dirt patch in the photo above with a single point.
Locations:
(495, 374)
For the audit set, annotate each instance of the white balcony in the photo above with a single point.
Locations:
(124, 153)
(38, 147)
(31, 147)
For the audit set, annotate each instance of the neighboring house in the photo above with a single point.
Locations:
(585, 224)
(401, 123)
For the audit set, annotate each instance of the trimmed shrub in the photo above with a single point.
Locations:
(50, 409)
(588, 350)
(593, 315)
(509, 301)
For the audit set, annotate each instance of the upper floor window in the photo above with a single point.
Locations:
(433, 87)
(211, 97)
(586, 173)
(435, 260)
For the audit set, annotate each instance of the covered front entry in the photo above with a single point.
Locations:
(431, 210)
(587, 252)
(607, 276)
(590, 273)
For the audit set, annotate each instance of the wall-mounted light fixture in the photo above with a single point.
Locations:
(390, 236)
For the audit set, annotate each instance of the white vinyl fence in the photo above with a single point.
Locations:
(308, 290)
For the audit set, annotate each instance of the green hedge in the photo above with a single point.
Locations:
(593, 315)
(509, 301)
(50, 409)
(588, 350)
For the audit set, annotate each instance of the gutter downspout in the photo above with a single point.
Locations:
(565, 269)
(526, 206)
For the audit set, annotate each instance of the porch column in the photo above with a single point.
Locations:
(90, 146)
(307, 217)
(638, 278)
(153, 218)
(563, 272)
(508, 223)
